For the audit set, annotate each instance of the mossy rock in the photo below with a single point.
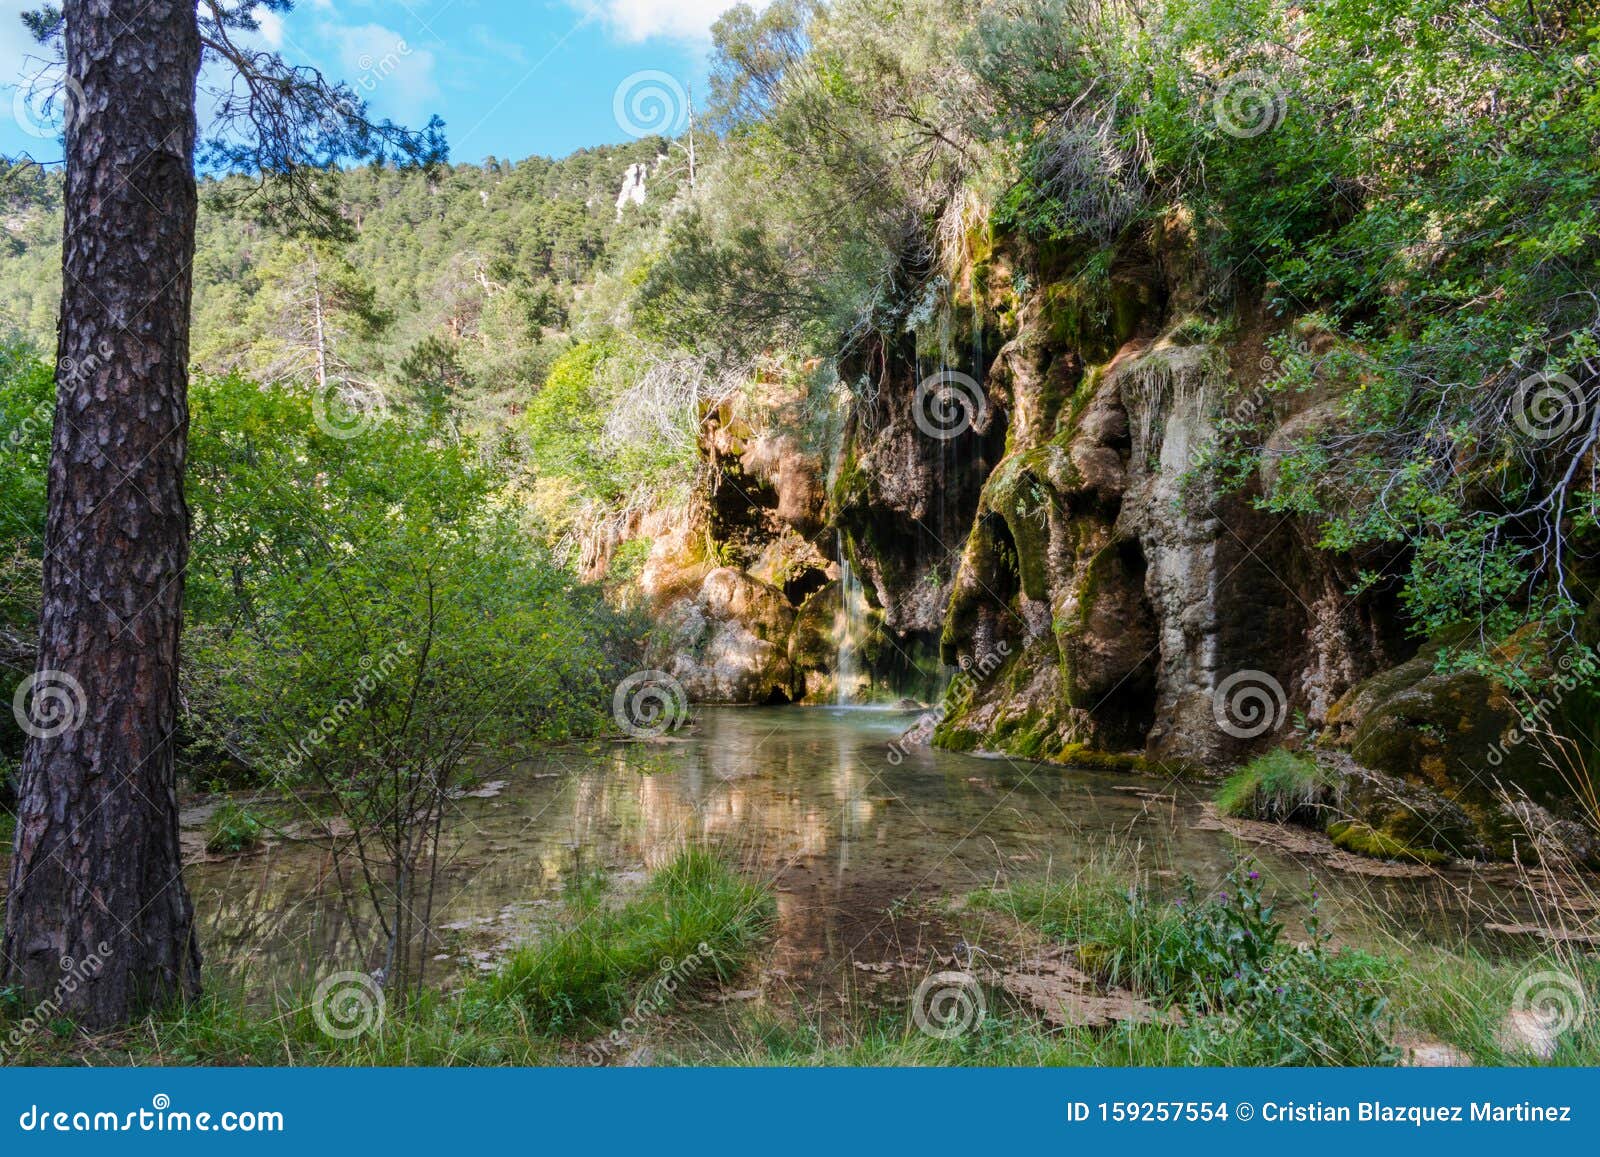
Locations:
(1029, 735)
(1457, 735)
(1107, 646)
(951, 737)
(1082, 755)
(1357, 837)
(1018, 494)
(812, 646)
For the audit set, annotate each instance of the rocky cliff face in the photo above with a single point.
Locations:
(1028, 499)
(744, 582)
(1147, 609)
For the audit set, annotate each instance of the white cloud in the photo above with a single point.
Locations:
(271, 28)
(384, 69)
(636, 20)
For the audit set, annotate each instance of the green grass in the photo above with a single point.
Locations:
(766, 1039)
(1339, 1004)
(607, 960)
(697, 922)
(1461, 997)
(1101, 910)
(1279, 786)
(227, 1029)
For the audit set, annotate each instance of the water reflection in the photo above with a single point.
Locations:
(807, 796)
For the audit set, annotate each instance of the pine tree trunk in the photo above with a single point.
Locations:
(97, 870)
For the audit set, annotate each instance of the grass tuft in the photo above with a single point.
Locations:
(697, 921)
(1279, 786)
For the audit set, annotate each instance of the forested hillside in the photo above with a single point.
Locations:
(453, 288)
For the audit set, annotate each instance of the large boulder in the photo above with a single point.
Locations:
(1452, 766)
(730, 644)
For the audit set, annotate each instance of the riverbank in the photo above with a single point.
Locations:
(1089, 969)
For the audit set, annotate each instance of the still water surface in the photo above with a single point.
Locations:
(811, 798)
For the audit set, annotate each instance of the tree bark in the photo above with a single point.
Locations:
(97, 872)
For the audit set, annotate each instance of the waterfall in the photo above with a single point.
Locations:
(849, 627)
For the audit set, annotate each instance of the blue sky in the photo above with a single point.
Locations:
(510, 77)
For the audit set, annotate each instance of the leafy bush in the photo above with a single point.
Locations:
(233, 829)
(1274, 1004)
(370, 615)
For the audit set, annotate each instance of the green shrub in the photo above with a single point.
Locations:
(233, 829)
(1220, 958)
